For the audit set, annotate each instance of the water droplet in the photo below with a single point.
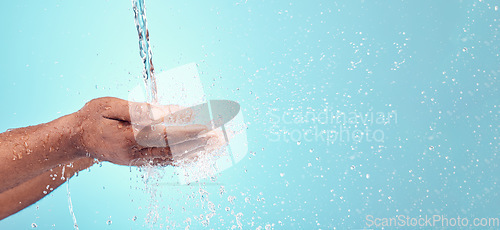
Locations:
(353, 167)
(431, 147)
(33, 225)
(298, 142)
(211, 207)
(367, 176)
(282, 174)
(464, 49)
(109, 222)
(134, 218)
(311, 150)
(227, 209)
(231, 199)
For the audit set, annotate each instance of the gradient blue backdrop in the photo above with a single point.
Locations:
(433, 63)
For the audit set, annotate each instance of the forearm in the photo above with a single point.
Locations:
(28, 152)
(29, 192)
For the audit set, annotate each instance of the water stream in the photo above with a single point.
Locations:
(145, 50)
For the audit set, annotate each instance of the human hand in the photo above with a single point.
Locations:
(108, 132)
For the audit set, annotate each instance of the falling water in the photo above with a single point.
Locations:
(145, 50)
(75, 225)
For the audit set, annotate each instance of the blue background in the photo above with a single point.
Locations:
(433, 63)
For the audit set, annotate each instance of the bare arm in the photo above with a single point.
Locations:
(28, 152)
(29, 192)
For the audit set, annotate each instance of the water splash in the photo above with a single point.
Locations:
(70, 205)
(145, 50)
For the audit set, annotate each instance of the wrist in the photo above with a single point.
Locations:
(67, 132)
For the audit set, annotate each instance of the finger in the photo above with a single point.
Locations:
(152, 152)
(144, 156)
(172, 108)
(188, 146)
(216, 138)
(122, 110)
(151, 136)
(175, 114)
(215, 143)
(179, 134)
(161, 136)
(139, 113)
(165, 156)
(165, 113)
(143, 114)
(189, 156)
(159, 161)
